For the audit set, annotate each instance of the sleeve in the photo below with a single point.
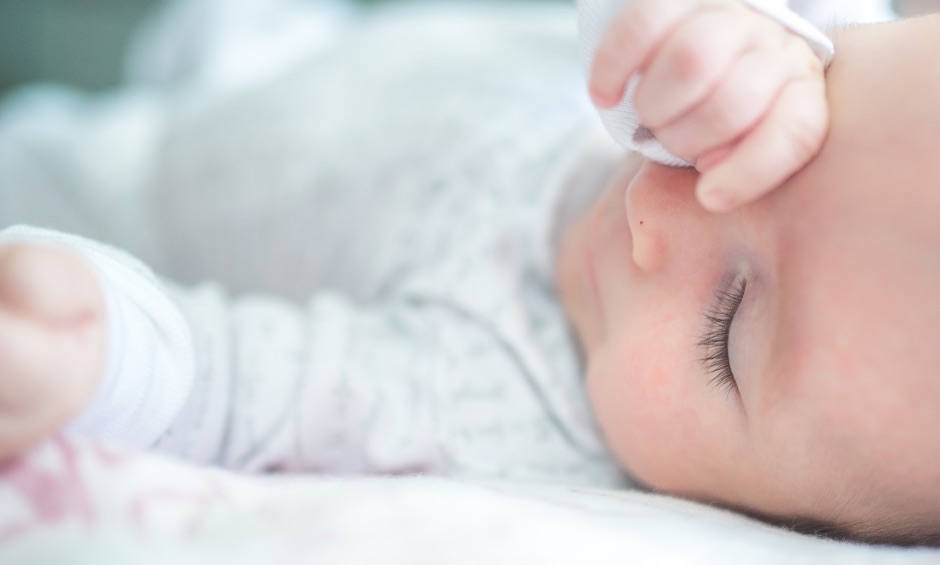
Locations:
(825, 14)
(149, 365)
(416, 382)
(621, 121)
(410, 384)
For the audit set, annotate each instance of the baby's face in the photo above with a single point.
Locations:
(782, 358)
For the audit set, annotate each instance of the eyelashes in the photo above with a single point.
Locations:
(714, 342)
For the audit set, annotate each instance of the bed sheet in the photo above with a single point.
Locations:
(72, 501)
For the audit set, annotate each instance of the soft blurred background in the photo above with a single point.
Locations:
(82, 42)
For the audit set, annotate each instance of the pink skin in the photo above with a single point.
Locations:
(52, 342)
(720, 85)
(834, 346)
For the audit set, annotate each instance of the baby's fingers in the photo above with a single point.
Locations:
(629, 41)
(780, 145)
(695, 59)
(733, 108)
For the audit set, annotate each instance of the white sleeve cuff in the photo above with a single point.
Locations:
(818, 41)
(149, 366)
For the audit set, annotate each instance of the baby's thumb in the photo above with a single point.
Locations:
(786, 140)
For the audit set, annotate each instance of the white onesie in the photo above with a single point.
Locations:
(388, 302)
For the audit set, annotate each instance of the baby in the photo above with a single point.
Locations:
(737, 358)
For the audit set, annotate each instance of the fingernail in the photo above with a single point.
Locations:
(716, 200)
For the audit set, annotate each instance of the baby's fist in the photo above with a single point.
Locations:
(52, 342)
(720, 85)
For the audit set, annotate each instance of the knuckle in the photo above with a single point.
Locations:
(626, 40)
(727, 114)
(801, 57)
(633, 28)
(804, 132)
(690, 60)
(804, 142)
(642, 21)
(604, 60)
(738, 104)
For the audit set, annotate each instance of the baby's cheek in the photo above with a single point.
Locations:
(635, 403)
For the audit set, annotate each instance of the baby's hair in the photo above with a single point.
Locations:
(884, 533)
(879, 535)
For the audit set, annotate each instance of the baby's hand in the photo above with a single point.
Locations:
(721, 86)
(52, 342)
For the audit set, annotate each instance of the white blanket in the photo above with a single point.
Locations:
(73, 502)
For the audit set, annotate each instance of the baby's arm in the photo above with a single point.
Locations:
(418, 382)
(722, 84)
(412, 383)
(88, 340)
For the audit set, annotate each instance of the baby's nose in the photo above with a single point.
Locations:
(661, 209)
